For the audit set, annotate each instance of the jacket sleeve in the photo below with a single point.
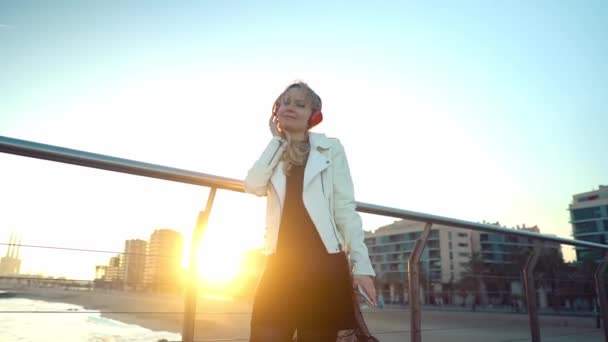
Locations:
(347, 218)
(259, 174)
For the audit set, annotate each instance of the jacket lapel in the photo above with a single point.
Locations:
(279, 182)
(317, 161)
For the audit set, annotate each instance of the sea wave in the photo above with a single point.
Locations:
(67, 323)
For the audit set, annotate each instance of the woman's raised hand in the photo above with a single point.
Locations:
(273, 123)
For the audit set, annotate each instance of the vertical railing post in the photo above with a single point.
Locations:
(414, 284)
(191, 297)
(530, 288)
(600, 291)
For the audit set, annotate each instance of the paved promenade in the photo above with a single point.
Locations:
(441, 326)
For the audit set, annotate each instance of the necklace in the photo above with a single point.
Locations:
(303, 146)
(296, 154)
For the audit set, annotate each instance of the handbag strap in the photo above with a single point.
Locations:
(361, 329)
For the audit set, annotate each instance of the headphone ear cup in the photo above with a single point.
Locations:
(315, 118)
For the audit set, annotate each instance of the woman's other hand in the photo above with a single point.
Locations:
(367, 284)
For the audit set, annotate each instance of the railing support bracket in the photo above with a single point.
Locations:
(414, 284)
(191, 297)
(530, 288)
(600, 291)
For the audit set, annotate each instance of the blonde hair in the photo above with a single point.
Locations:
(296, 153)
(315, 100)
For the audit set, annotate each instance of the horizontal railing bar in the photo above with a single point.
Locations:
(451, 222)
(104, 162)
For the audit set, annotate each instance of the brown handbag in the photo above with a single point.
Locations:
(361, 332)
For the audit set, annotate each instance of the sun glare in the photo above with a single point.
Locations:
(218, 266)
(229, 258)
(219, 259)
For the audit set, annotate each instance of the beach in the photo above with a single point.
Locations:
(221, 319)
(159, 312)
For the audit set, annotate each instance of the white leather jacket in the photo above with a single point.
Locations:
(328, 196)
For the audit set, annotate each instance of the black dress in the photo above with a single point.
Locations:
(303, 286)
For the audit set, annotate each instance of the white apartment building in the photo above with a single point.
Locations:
(445, 256)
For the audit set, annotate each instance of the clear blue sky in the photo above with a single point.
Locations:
(476, 110)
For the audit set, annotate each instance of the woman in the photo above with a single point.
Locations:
(307, 286)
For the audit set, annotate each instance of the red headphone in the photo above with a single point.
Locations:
(314, 119)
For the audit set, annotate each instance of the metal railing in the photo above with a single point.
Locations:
(99, 161)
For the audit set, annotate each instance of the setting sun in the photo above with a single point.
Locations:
(229, 263)
(216, 263)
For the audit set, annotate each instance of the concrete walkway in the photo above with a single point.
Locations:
(440, 326)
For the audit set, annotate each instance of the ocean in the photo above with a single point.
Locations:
(68, 325)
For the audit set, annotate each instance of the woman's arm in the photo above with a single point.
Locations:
(347, 218)
(259, 174)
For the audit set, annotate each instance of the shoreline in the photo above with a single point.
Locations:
(157, 312)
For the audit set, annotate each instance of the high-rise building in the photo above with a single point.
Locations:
(163, 271)
(109, 276)
(501, 249)
(506, 254)
(113, 274)
(11, 264)
(132, 263)
(589, 218)
(100, 272)
(443, 260)
(446, 258)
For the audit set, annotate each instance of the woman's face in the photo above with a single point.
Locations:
(294, 111)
